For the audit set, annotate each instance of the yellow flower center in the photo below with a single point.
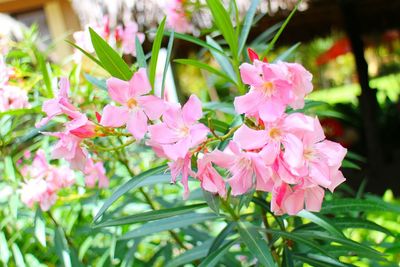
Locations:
(308, 153)
(268, 88)
(275, 133)
(183, 131)
(131, 103)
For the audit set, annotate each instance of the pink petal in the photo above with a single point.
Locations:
(177, 150)
(293, 154)
(64, 87)
(118, 90)
(319, 173)
(336, 179)
(248, 103)
(222, 159)
(173, 117)
(313, 198)
(152, 105)
(137, 124)
(271, 110)
(139, 84)
(333, 152)
(241, 182)
(192, 111)
(114, 116)
(270, 152)
(249, 138)
(198, 134)
(294, 203)
(250, 74)
(162, 134)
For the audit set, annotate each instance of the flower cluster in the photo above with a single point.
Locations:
(11, 97)
(77, 128)
(43, 181)
(273, 151)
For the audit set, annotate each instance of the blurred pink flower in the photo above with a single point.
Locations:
(37, 191)
(182, 166)
(180, 129)
(177, 18)
(12, 97)
(127, 36)
(95, 172)
(136, 107)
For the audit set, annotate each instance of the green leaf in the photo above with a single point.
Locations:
(152, 215)
(169, 223)
(46, 72)
(220, 238)
(248, 21)
(166, 65)
(131, 184)
(84, 247)
(272, 43)
(62, 247)
(256, 244)
(19, 259)
(321, 221)
(266, 35)
(109, 58)
(319, 260)
(40, 228)
(197, 252)
(222, 59)
(206, 67)
(225, 107)
(224, 24)
(4, 251)
(287, 258)
(197, 41)
(100, 83)
(350, 165)
(287, 53)
(212, 259)
(154, 52)
(346, 205)
(140, 57)
(212, 201)
(95, 60)
(22, 111)
(355, 156)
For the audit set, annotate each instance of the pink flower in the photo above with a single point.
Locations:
(136, 107)
(322, 158)
(53, 107)
(182, 166)
(95, 172)
(292, 200)
(180, 130)
(127, 36)
(210, 179)
(247, 169)
(12, 97)
(37, 191)
(272, 87)
(68, 148)
(5, 72)
(177, 18)
(283, 132)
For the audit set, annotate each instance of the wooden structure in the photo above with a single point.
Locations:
(60, 18)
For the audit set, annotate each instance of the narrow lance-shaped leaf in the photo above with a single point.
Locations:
(140, 57)
(152, 215)
(154, 52)
(131, 184)
(40, 228)
(220, 238)
(95, 60)
(256, 244)
(109, 58)
(212, 259)
(167, 63)
(169, 223)
(248, 21)
(321, 221)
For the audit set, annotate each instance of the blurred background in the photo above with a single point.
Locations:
(352, 48)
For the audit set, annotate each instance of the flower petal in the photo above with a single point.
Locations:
(139, 84)
(137, 124)
(118, 90)
(114, 116)
(152, 105)
(249, 138)
(192, 111)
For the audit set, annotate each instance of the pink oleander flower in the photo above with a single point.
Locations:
(127, 37)
(12, 97)
(247, 169)
(177, 18)
(137, 107)
(37, 191)
(210, 179)
(322, 159)
(68, 148)
(182, 166)
(53, 106)
(180, 130)
(285, 132)
(273, 86)
(95, 172)
(5, 72)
